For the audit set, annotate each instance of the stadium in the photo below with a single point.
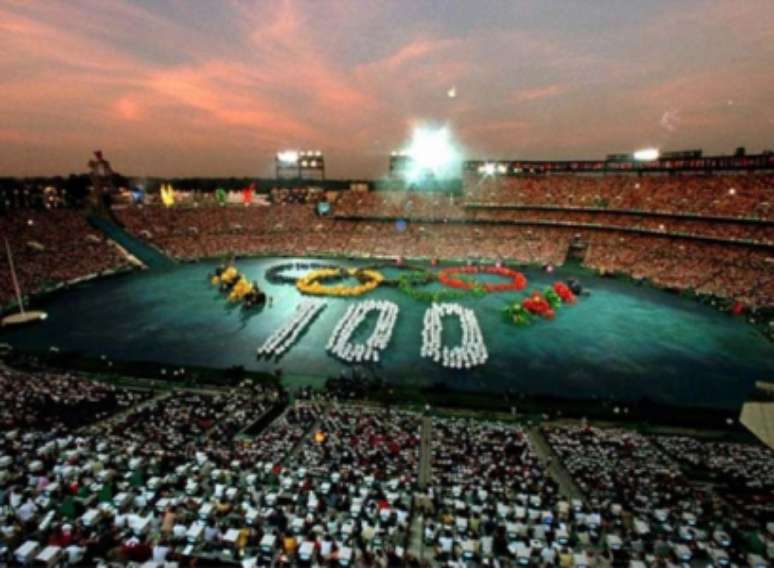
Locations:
(460, 358)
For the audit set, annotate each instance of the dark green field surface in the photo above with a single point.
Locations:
(622, 341)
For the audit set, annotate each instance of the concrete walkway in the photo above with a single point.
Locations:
(425, 452)
(149, 256)
(416, 542)
(567, 486)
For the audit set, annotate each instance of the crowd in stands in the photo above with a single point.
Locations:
(737, 196)
(170, 479)
(32, 196)
(121, 488)
(733, 271)
(353, 484)
(178, 475)
(642, 496)
(732, 231)
(509, 205)
(191, 233)
(296, 195)
(744, 472)
(53, 247)
(400, 204)
(491, 497)
(182, 423)
(297, 230)
(58, 402)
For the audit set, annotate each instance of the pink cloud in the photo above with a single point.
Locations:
(412, 52)
(127, 108)
(161, 94)
(539, 93)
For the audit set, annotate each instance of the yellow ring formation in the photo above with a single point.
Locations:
(309, 283)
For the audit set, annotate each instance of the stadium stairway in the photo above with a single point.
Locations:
(148, 255)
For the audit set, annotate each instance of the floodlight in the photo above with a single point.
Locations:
(288, 156)
(647, 154)
(502, 168)
(487, 169)
(431, 151)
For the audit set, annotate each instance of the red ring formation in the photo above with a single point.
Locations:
(518, 280)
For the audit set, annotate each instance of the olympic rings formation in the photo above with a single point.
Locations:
(410, 282)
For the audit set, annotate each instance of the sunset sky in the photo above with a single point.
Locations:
(216, 87)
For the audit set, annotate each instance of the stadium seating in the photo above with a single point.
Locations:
(53, 247)
(143, 476)
(708, 234)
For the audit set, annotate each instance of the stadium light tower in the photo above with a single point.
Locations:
(399, 164)
(304, 164)
(647, 154)
(487, 169)
(492, 168)
(288, 156)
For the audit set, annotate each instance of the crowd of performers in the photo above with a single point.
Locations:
(457, 282)
(238, 287)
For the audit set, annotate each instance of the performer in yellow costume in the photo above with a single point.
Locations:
(242, 288)
(225, 276)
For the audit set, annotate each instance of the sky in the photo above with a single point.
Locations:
(217, 87)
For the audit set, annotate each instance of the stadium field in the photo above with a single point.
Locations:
(621, 341)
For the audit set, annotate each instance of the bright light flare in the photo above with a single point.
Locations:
(432, 151)
(647, 154)
(288, 157)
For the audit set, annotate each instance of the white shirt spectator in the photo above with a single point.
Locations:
(487, 545)
(74, 554)
(160, 553)
(326, 547)
(27, 511)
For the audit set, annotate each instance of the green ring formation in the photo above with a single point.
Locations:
(407, 268)
(411, 282)
(275, 276)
